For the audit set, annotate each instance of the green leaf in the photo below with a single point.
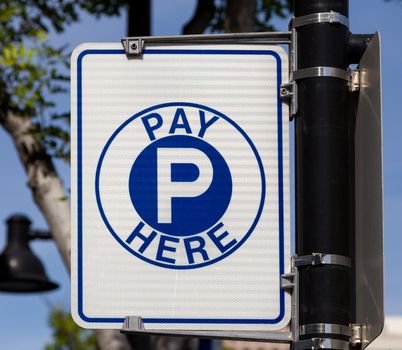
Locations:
(67, 335)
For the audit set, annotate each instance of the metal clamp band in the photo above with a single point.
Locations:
(322, 259)
(323, 17)
(325, 328)
(314, 72)
(321, 343)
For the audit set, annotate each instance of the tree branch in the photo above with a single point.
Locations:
(203, 15)
(49, 194)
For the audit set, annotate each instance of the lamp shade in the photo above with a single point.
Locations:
(20, 269)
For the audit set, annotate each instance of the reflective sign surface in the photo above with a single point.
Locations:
(180, 187)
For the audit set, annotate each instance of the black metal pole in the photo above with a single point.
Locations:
(324, 211)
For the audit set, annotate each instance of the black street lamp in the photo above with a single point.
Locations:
(20, 270)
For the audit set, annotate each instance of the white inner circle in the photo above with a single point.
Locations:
(223, 136)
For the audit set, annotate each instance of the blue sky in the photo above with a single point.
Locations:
(27, 315)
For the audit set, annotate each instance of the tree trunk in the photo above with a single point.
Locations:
(49, 194)
(139, 18)
(240, 16)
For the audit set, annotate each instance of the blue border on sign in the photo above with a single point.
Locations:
(85, 318)
(221, 115)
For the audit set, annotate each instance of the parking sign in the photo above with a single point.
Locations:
(180, 187)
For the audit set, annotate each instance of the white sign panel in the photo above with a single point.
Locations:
(180, 187)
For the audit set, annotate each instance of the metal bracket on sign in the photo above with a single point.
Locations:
(354, 80)
(135, 325)
(290, 284)
(289, 90)
(357, 334)
(134, 46)
(287, 94)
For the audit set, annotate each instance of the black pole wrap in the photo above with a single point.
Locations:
(323, 168)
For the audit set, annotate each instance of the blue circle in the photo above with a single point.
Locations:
(189, 215)
(219, 114)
